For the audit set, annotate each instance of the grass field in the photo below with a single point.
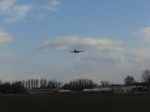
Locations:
(76, 103)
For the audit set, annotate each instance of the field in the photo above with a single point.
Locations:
(76, 103)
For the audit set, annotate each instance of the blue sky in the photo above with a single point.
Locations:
(36, 37)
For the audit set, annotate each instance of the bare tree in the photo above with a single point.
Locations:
(129, 80)
(80, 84)
(32, 83)
(1, 82)
(37, 83)
(29, 86)
(146, 76)
(105, 83)
(52, 83)
(43, 83)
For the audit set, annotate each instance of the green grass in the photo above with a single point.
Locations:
(76, 103)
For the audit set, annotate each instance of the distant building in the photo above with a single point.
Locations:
(116, 89)
(100, 89)
(64, 91)
(41, 91)
(127, 89)
(122, 89)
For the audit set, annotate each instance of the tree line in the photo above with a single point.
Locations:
(80, 84)
(21, 87)
(129, 80)
(15, 87)
(41, 83)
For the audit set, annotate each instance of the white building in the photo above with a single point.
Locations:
(64, 91)
(123, 89)
(99, 89)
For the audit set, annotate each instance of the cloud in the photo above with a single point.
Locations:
(103, 58)
(52, 5)
(142, 54)
(4, 37)
(5, 5)
(40, 16)
(96, 50)
(12, 11)
(145, 33)
(6, 56)
(18, 13)
(76, 42)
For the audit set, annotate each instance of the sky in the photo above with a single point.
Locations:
(36, 37)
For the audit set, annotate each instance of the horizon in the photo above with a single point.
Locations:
(36, 38)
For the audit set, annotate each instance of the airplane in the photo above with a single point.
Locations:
(76, 51)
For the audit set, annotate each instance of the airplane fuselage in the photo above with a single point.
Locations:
(76, 51)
